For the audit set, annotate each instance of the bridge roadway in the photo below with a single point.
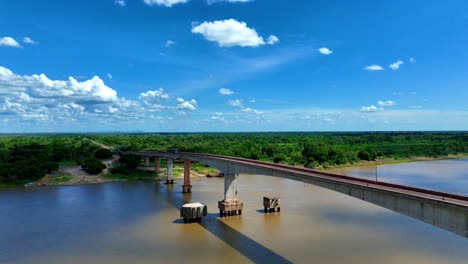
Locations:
(445, 210)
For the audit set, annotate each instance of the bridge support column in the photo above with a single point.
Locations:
(157, 168)
(187, 187)
(230, 205)
(230, 185)
(147, 161)
(169, 177)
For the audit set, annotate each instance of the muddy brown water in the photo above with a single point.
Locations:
(139, 223)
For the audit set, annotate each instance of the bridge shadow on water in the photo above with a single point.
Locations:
(248, 247)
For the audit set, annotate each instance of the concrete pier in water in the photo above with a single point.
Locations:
(187, 187)
(170, 176)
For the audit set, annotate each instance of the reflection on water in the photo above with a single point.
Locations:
(139, 223)
(445, 175)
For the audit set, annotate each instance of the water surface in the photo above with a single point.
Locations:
(139, 223)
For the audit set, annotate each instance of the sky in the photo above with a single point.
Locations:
(233, 65)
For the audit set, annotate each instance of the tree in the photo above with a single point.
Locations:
(130, 161)
(93, 166)
(103, 153)
(367, 154)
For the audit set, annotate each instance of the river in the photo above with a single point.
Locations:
(139, 222)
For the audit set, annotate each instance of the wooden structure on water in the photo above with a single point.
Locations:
(193, 212)
(230, 207)
(271, 203)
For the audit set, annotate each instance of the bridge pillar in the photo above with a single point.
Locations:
(157, 165)
(147, 161)
(230, 185)
(187, 187)
(169, 178)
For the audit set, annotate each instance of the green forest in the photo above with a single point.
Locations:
(26, 158)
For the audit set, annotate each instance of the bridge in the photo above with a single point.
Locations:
(445, 210)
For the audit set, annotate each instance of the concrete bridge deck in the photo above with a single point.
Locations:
(442, 209)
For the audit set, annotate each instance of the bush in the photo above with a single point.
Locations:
(103, 153)
(93, 166)
(130, 161)
(367, 155)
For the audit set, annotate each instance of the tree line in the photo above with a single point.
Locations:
(27, 158)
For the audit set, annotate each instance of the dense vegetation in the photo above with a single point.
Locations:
(27, 158)
(310, 149)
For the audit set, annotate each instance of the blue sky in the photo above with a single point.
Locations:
(232, 65)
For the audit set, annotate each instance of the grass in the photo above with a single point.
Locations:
(62, 179)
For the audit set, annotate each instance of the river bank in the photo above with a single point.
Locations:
(74, 175)
(387, 161)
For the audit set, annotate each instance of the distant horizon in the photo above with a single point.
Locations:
(235, 132)
(219, 65)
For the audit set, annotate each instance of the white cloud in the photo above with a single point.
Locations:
(225, 91)
(272, 39)
(236, 103)
(219, 118)
(325, 51)
(186, 105)
(166, 3)
(169, 43)
(218, 113)
(30, 41)
(251, 110)
(386, 103)
(412, 60)
(396, 65)
(9, 42)
(120, 3)
(371, 108)
(374, 67)
(230, 33)
(153, 96)
(109, 76)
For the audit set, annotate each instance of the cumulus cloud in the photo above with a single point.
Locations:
(38, 98)
(371, 108)
(186, 105)
(373, 67)
(29, 99)
(230, 33)
(166, 3)
(236, 103)
(169, 43)
(412, 60)
(152, 99)
(386, 103)
(225, 91)
(325, 51)
(28, 40)
(9, 42)
(396, 65)
(109, 76)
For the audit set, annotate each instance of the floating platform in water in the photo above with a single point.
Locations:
(271, 204)
(193, 212)
(230, 207)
